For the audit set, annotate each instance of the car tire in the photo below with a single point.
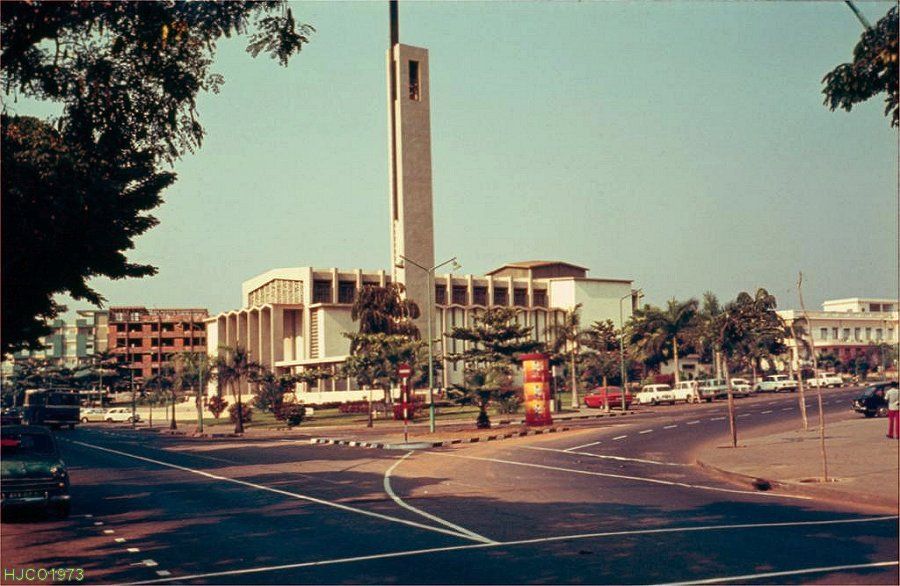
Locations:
(109, 420)
(129, 420)
(84, 419)
(882, 411)
(63, 509)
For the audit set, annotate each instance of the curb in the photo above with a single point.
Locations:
(819, 493)
(471, 440)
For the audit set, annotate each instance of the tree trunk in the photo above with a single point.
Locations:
(677, 365)
(605, 395)
(150, 404)
(717, 358)
(239, 420)
(173, 425)
(574, 382)
(753, 369)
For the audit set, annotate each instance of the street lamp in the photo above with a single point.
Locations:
(429, 310)
(622, 344)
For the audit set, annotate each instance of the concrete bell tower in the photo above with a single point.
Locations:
(412, 222)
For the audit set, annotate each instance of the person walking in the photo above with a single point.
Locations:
(893, 402)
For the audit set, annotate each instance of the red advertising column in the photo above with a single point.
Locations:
(536, 374)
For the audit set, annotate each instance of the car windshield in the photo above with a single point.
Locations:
(26, 444)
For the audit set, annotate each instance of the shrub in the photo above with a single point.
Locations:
(291, 413)
(246, 413)
(216, 405)
(508, 404)
(354, 407)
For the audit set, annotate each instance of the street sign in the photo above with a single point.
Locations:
(404, 371)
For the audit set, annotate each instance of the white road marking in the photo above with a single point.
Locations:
(766, 412)
(149, 563)
(670, 427)
(646, 431)
(820, 570)
(163, 573)
(270, 489)
(618, 437)
(108, 531)
(602, 456)
(582, 446)
(716, 418)
(120, 540)
(414, 552)
(695, 422)
(462, 531)
(787, 409)
(133, 550)
(622, 476)
(98, 523)
(745, 415)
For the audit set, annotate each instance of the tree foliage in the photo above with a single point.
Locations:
(873, 70)
(77, 190)
(385, 310)
(657, 333)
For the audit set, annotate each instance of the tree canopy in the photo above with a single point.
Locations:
(78, 189)
(873, 70)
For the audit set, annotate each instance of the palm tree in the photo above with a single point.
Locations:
(190, 369)
(232, 370)
(655, 331)
(568, 337)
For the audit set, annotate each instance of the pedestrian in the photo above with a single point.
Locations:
(893, 402)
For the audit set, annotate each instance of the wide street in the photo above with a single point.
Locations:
(610, 501)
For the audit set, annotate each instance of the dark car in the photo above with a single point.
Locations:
(871, 401)
(32, 472)
(11, 416)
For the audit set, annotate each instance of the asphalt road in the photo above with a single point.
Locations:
(608, 502)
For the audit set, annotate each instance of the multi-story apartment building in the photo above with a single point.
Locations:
(847, 328)
(143, 340)
(70, 344)
(295, 318)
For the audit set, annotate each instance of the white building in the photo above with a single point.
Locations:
(848, 328)
(295, 318)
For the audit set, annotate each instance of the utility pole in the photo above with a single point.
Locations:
(130, 368)
(812, 346)
(623, 372)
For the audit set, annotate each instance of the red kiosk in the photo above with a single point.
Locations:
(536, 388)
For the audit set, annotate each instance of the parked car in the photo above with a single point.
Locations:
(613, 395)
(656, 394)
(871, 401)
(686, 391)
(714, 388)
(825, 379)
(93, 414)
(11, 416)
(120, 415)
(776, 383)
(32, 472)
(740, 387)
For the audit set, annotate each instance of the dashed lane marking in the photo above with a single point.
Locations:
(695, 422)
(582, 446)
(108, 531)
(618, 437)
(98, 523)
(133, 550)
(716, 418)
(670, 427)
(416, 552)
(787, 409)
(286, 493)
(820, 570)
(120, 540)
(603, 456)
(646, 431)
(461, 531)
(766, 412)
(622, 476)
(149, 563)
(163, 573)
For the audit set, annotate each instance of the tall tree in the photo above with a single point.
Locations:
(657, 333)
(602, 360)
(567, 338)
(385, 310)
(873, 70)
(77, 189)
(233, 370)
(492, 345)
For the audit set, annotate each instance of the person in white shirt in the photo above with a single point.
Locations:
(893, 400)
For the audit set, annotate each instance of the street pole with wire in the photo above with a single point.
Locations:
(623, 373)
(429, 312)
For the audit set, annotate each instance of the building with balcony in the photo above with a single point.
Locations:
(145, 340)
(846, 328)
(70, 344)
(294, 319)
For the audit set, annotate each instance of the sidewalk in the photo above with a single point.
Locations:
(863, 464)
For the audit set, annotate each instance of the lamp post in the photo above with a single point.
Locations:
(622, 345)
(429, 311)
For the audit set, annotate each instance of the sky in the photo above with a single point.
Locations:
(681, 145)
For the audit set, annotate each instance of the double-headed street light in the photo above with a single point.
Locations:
(429, 310)
(622, 344)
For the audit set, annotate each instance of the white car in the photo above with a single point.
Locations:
(120, 415)
(741, 386)
(92, 414)
(714, 388)
(656, 394)
(776, 383)
(686, 391)
(826, 379)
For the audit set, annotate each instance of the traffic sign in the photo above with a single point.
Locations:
(404, 371)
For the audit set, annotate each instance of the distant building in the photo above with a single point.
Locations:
(295, 319)
(847, 328)
(144, 339)
(69, 344)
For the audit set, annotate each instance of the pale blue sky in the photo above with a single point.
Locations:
(683, 145)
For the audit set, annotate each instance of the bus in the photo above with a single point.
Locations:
(51, 407)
